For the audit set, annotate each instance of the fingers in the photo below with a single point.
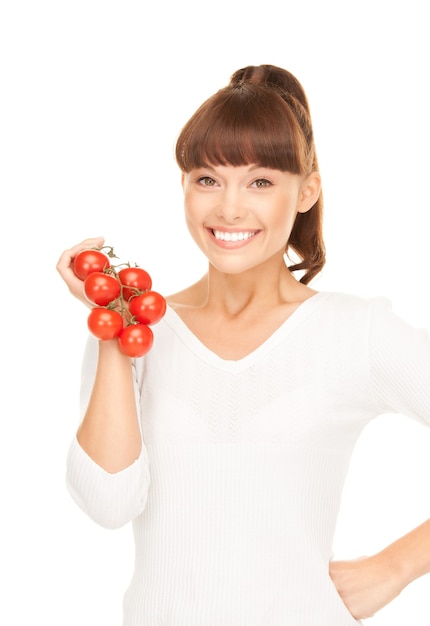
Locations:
(364, 584)
(65, 266)
(65, 261)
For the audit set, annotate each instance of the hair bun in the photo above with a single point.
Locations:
(273, 77)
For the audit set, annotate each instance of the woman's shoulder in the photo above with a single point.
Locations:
(350, 308)
(355, 301)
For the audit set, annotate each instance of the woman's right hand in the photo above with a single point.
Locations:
(65, 267)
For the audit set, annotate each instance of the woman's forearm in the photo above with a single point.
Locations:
(409, 556)
(109, 432)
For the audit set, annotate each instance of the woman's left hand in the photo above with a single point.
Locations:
(365, 585)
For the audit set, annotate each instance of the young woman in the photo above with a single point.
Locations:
(227, 445)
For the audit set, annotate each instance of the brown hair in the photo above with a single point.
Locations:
(261, 117)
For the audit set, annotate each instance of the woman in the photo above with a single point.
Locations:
(227, 445)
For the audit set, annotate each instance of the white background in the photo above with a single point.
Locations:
(93, 95)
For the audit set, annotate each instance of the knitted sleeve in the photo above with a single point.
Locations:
(110, 500)
(400, 364)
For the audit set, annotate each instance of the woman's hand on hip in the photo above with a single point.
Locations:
(365, 585)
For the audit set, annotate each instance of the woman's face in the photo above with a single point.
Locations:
(242, 216)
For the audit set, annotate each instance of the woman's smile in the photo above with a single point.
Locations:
(232, 238)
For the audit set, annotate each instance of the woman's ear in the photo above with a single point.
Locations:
(309, 192)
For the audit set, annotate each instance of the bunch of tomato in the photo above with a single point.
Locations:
(125, 304)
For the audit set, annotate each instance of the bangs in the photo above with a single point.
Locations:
(243, 126)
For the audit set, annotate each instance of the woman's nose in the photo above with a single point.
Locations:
(231, 207)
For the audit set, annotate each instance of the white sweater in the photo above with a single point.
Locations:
(235, 496)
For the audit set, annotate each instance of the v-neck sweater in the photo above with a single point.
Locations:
(235, 496)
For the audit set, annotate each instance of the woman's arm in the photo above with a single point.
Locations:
(109, 432)
(400, 373)
(107, 465)
(368, 584)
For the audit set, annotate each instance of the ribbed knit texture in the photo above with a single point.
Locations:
(235, 497)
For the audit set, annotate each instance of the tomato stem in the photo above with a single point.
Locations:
(108, 250)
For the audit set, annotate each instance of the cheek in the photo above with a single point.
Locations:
(189, 203)
(285, 215)
(194, 221)
(195, 209)
(190, 214)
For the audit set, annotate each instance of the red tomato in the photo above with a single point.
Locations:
(148, 308)
(105, 323)
(88, 261)
(136, 279)
(101, 288)
(135, 340)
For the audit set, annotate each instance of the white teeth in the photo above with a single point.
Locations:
(225, 236)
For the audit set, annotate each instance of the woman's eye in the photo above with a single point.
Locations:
(261, 182)
(206, 181)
